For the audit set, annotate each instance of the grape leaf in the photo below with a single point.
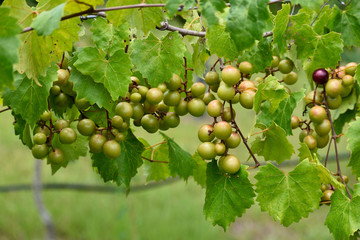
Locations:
(124, 167)
(85, 87)
(260, 55)
(46, 22)
(272, 91)
(323, 50)
(344, 118)
(173, 5)
(72, 151)
(281, 24)
(353, 144)
(163, 57)
(282, 115)
(107, 37)
(29, 99)
(323, 20)
(200, 170)
(314, 4)
(23, 130)
(347, 22)
(143, 19)
(343, 218)
(227, 197)
(78, 6)
(246, 21)
(217, 34)
(199, 58)
(209, 8)
(180, 161)
(114, 72)
(348, 102)
(153, 170)
(288, 196)
(273, 145)
(304, 152)
(9, 44)
(325, 175)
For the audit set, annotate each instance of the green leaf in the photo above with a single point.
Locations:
(227, 197)
(143, 19)
(124, 167)
(281, 24)
(85, 87)
(347, 22)
(217, 34)
(353, 144)
(260, 55)
(343, 218)
(163, 57)
(348, 102)
(29, 99)
(282, 115)
(78, 6)
(273, 145)
(173, 5)
(325, 175)
(323, 20)
(344, 118)
(113, 72)
(200, 170)
(72, 151)
(304, 152)
(357, 74)
(288, 196)
(199, 58)
(154, 170)
(22, 129)
(107, 37)
(270, 90)
(9, 44)
(46, 22)
(314, 4)
(209, 8)
(180, 162)
(314, 47)
(246, 21)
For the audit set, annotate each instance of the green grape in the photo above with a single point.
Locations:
(143, 91)
(149, 108)
(120, 137)
(162, 107)
(55, 90)
(181, 108)
(227, 114)
(208, 97)
(247, 99)
(46, 116)
(230, 75)
(327, 195)
(82, 103)
(350, 68)
(174, 83)
(196, 107)
(197, 89)
(40, 138)
(124, 126)
(61, 100)
(150, 123)
(229, 164)
(205, 133)
(319, 97)
(226, 92)
(56, 157)
(162, 87)
(290, 78)
(67, 136)
(39, 151)
(295, 122)
(323, 128)
(222, 130)
(286, 66)
(245, 85)
(172, 119)
(275, 61)
(220, 148)
(172, 98)
(117, 121)
(124, 109)
(317, 114)
(44, 130)
(233, 141)
(310, 141)
(347, 80)
(63, 77)
(86, 127)
(112, 149)
(154, 96)
(245, 67)
(212, 78)
(334, 103)
(61, 123)
(163, 125)
(321, 141)
(214, 88)
(333, 88)
(135, 97)
(214, 108)
(346, 90)
(206, 150)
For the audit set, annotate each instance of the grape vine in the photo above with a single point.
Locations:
(79, 78)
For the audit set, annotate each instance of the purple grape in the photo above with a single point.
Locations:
(320, 76)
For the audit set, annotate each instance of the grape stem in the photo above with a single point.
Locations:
(213, 66)
(150, 160)
(108, 120)
(334, 137)
(157, 144)
(5, 109)
(51, 127)
(188, 97)
(257, 164)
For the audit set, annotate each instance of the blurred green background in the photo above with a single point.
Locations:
(170, 211)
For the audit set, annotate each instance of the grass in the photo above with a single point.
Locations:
(172, 211)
